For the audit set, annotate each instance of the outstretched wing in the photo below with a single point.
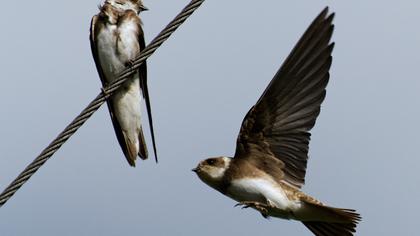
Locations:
(275, 133)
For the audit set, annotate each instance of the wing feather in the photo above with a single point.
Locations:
(277, 128)
(145, 90)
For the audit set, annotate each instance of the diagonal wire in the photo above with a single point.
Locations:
(97, 102)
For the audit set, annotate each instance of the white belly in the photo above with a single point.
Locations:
(116, 46)
(264, 191)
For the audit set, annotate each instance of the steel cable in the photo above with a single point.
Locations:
(97, 102)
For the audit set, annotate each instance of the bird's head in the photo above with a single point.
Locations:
(136, 5)
(212, 170)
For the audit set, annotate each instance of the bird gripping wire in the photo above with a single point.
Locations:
(97, 102)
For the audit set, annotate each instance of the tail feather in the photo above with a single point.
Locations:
(330, 229)
(130, 150)
(143, 153)
(340, 222)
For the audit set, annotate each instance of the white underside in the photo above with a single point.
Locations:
(126, 101)
(265, 191)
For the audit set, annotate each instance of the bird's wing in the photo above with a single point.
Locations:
(93, 48)
(275, 132)
(145, 91)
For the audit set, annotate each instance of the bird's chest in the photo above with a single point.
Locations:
(245, 190)
(117, 44)
(259, 190)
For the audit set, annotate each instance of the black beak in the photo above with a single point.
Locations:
(195, 170)
(143, 8)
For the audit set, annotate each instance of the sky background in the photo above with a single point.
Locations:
(202, 81)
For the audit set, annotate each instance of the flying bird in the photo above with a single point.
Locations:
(116, 38)
(268, 169)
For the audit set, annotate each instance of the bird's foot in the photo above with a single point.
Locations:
(106, 94)
(263, 208)
(130, 64)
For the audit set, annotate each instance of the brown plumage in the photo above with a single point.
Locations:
(277, 126)
(120, 17)
(271, 155)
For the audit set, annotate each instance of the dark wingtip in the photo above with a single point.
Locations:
(332, 45)
(331, 17)
(324, 15)
(154, 146)
(153, 135)
(132, 163)
(156, 158)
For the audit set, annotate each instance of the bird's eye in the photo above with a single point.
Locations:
(211, 161)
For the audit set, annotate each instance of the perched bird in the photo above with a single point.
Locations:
(269, 165)
(116, 38)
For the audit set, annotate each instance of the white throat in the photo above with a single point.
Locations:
(220, 172)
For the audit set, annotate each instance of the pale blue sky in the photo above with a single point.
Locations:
(364, 149)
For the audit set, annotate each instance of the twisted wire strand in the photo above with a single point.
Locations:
(97, 102)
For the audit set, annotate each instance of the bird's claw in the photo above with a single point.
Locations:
(242, 204)
(263, 208)
(130, 63)
(106, 94)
